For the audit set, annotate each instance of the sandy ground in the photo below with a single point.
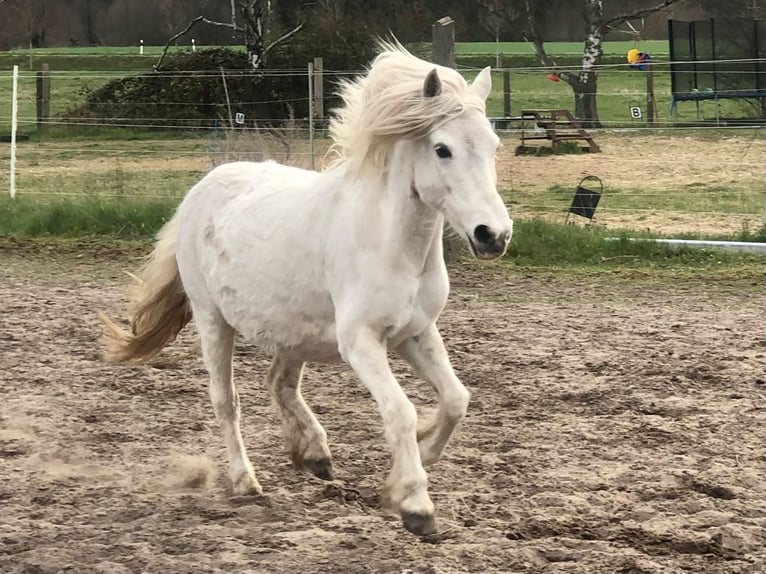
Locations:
(615, 426)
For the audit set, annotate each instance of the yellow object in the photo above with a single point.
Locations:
(633, 56)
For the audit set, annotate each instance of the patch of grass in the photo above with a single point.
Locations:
(542, 244)
(108, 218)
(748, 234)
(118, 182)
(96, 133)
(535, 243)
(568, 148)
(708, 199)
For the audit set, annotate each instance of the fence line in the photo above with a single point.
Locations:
(43, 148)
(273, 72)
(616, 127)
(114, 179)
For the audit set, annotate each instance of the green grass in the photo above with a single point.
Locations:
(76, 69)
(102, 58)
(658, 47)
(538, 243)
(83, 217)
(116, 182)
(535, 243)
(149, 51)
(653, 47)
(703, 199)
(618, 91)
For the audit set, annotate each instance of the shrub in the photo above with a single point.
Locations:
(189, 90)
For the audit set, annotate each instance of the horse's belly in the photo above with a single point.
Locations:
(280, 323)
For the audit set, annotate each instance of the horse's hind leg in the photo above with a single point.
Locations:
(305, 437)
(217, 339)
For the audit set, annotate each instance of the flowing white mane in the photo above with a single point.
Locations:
(387, 104)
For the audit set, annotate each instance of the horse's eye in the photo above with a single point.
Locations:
(443, 152)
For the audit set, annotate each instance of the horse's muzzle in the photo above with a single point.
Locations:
(486, 244)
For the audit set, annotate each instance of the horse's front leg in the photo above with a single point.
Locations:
(406, 486)
(428, 357)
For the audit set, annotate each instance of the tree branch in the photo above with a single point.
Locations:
(188, 29)
(622, 18)
(283, 38)
(537, 42)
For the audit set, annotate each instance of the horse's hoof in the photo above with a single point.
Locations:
(321, 468)
(419, 524)
(247, 485)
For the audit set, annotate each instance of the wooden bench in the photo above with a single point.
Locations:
(555, 126)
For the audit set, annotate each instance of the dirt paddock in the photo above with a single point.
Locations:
(615, 426)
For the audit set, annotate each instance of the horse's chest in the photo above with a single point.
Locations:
(418, 309)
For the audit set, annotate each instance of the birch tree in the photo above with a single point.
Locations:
(583, 81)
(250, 19)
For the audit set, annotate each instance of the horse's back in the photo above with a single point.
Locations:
(249, 245)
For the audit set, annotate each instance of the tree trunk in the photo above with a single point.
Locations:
(585, 86)
(584, 82)
(586, 109)
(253, 15)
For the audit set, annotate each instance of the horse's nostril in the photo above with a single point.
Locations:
(483, 234)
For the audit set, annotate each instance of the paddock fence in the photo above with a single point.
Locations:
(675, 175)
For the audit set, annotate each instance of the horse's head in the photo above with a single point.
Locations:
(455, 172)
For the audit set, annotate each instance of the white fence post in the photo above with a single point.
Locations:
(311, 112)
(14, 126)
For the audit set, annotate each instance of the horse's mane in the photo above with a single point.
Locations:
(387, 104)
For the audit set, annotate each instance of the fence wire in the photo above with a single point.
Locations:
(171, 155)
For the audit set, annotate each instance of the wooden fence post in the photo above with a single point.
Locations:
(507, 93)
(443, 53)
(651, 103)
(443, 42)
(318, 80)
(43, 98)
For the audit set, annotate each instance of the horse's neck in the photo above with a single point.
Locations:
(414, 228)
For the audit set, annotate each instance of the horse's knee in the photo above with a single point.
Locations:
(456, 405)
(402, 416)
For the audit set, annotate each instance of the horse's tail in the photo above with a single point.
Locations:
(159, 307)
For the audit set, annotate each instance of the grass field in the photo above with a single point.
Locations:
(530, 89)
(536, 243)
(75, 70)
(705, 183)
(654, 47)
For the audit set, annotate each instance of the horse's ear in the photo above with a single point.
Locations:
(482, 84)
(433, 85)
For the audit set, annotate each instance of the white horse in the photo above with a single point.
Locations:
(339, 265)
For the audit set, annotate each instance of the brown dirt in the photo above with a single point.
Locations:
(615, 426)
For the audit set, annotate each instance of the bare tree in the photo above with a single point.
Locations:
(585, 80)
(255, 15)
(31, 18)
(493, 17)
